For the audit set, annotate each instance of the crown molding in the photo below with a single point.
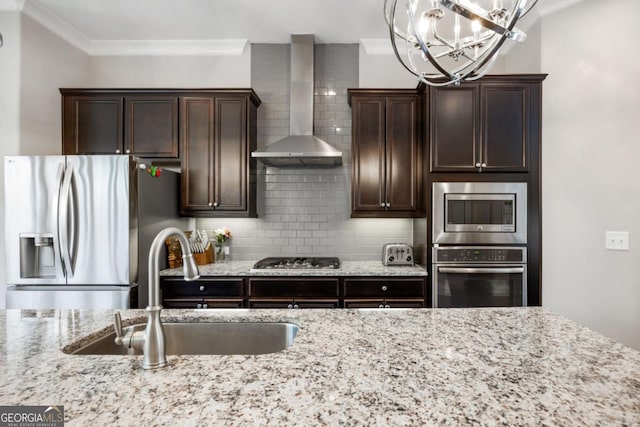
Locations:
(49, 20)
(56, 25)
(226, 47)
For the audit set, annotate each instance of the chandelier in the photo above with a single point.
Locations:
(445, 42)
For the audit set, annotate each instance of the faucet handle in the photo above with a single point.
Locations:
(117, 325)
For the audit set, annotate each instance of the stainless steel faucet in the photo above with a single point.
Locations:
(151, 340)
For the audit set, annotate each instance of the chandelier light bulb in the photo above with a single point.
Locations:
(450, 41)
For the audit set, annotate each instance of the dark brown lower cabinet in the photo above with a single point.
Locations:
(295, 292)
(202, 293)
(384, 292)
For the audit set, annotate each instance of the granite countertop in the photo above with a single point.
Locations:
(506, 366)
(347, 268)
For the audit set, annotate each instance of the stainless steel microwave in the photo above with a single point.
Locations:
(479, 213)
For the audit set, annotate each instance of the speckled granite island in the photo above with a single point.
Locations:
(509, 366)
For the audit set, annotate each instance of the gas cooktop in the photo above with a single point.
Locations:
(297, 263)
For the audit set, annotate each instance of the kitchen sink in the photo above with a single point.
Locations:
(206, 338)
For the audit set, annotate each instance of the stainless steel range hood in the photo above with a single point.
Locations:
(300, 148)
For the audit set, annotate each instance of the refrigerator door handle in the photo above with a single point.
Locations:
(57, 249)
(63, 221)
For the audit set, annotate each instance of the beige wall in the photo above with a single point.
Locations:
(590, 158)
(172, 71)
(47, 63)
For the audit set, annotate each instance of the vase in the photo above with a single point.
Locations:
(220, 252)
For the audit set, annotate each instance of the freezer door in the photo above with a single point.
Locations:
(32, 187)
(96, 205)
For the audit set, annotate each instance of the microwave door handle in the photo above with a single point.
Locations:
(480, 270)
(63, 221)
(57, 247)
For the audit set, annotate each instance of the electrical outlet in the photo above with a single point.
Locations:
(617, 240)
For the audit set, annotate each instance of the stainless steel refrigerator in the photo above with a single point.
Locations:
(78, 229)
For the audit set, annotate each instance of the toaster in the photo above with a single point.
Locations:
(397, 254)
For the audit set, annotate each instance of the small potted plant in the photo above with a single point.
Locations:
(221, 236)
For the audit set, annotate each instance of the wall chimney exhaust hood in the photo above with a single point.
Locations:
(300, 148)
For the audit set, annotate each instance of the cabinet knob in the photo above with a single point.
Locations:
(127, 151)
(296, 306)
(384, 287)
(484, 165)
(387, 306)
(381, 306)
(382, 205)
(289, 306)
(117, 151)
(388, 205)
(198, 305)
(201, 287)
(478, 165)
(210, 204)
(215, 204)
(205, 305)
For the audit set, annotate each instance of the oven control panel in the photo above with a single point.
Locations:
(480, 254)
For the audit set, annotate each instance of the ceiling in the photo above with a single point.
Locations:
(89, 24)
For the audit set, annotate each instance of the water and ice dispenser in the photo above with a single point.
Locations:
(37, 256)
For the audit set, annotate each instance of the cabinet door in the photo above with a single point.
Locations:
(230, 167)
(383, 287)
(454, 131)
(197, 134)
(403, 154)
(151, 126)
(285, 287)
(369, 168)
(92, 124)
(505, 127)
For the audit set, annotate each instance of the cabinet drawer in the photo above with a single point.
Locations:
(293, 304)
(376, 287)
(292, 288)
(202, 303)
(386, 303)
(202, 288)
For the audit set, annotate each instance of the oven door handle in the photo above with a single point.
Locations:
(481, 270)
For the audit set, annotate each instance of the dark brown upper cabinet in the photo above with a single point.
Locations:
(387, 153)
(106, 121)
(218, 134)
(482, 127)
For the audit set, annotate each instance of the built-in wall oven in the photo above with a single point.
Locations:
(479, 276)
(479, 254)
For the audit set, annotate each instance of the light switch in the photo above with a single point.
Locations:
(617, 240)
